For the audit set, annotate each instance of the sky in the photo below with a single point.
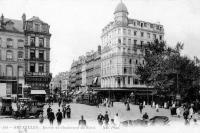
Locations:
(76, 25)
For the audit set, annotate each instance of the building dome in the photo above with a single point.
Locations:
(121, 7)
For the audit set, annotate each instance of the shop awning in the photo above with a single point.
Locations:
(35, 92)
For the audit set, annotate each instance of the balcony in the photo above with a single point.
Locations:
(8, 78)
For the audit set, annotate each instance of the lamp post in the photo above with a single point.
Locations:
(60, 87)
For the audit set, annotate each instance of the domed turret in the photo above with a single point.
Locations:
(121, 7)
(121, 14)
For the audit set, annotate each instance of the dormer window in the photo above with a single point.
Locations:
(37, 27)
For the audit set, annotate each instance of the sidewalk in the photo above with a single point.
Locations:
(5, 116)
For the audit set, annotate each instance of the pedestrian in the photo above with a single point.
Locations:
(157, 108)
(178, 112)
(145, 117)
(59, 117)
(100, 119)
(51, 117)
(140, 107)
(191, 112)
(68, 110)
(64, 111)
(59, 102)
(48, 110)
(185, 115)
(106, 118)
(128, 106)
(82, 123)
(41, 118)
(117, 120)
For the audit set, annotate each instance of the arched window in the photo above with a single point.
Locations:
(20, 55)
(9, 55)
(9, 43)
(9, 70)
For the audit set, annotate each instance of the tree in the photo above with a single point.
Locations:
(167, 70)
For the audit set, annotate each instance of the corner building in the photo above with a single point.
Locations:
(122, 50)
(37, 54)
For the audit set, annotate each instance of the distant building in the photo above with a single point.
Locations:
(12, 54)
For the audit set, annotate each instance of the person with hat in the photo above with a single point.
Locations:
(100, 119)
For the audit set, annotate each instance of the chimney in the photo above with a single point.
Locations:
(99, 49)
(24, 20)
(2, 20)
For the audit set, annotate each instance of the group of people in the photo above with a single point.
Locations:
(59, 115)
(105, 121)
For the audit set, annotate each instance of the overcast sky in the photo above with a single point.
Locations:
(76, 25)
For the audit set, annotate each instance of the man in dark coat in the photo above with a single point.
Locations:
(185, 115)
(51, 117)
(100, 119)
(59, 117)
(48, 110)
(106, 118)
(68, 110)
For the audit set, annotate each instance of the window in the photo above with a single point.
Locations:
(135, 42)
(136, 81)
(151, 25)
(145, 24)
(148, 34)
(20, 72)
(32, 67)
(32, 54)
(134, 23)
(119, 40)
(141, 24)
(41, 54)
(160, 37)
(20, 44)
(41, 42)
(37, 26)
(123, 80)
(9, 43)
(136, 62)
(124, 31)
(33, 41)
(141, 43)
(135, 33)
(20, 55)
(9, 71)
(154, 36)
(129, 80)
(138, 22)
(41, 67)
(142, 34)
(124, 41)
(119, 31)
(129, 41)
(130, 61)
(125, 70)
(9, 55)
(129, 32)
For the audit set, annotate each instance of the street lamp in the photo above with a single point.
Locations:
(60, 87)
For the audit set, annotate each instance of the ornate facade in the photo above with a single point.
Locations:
(122, 49)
